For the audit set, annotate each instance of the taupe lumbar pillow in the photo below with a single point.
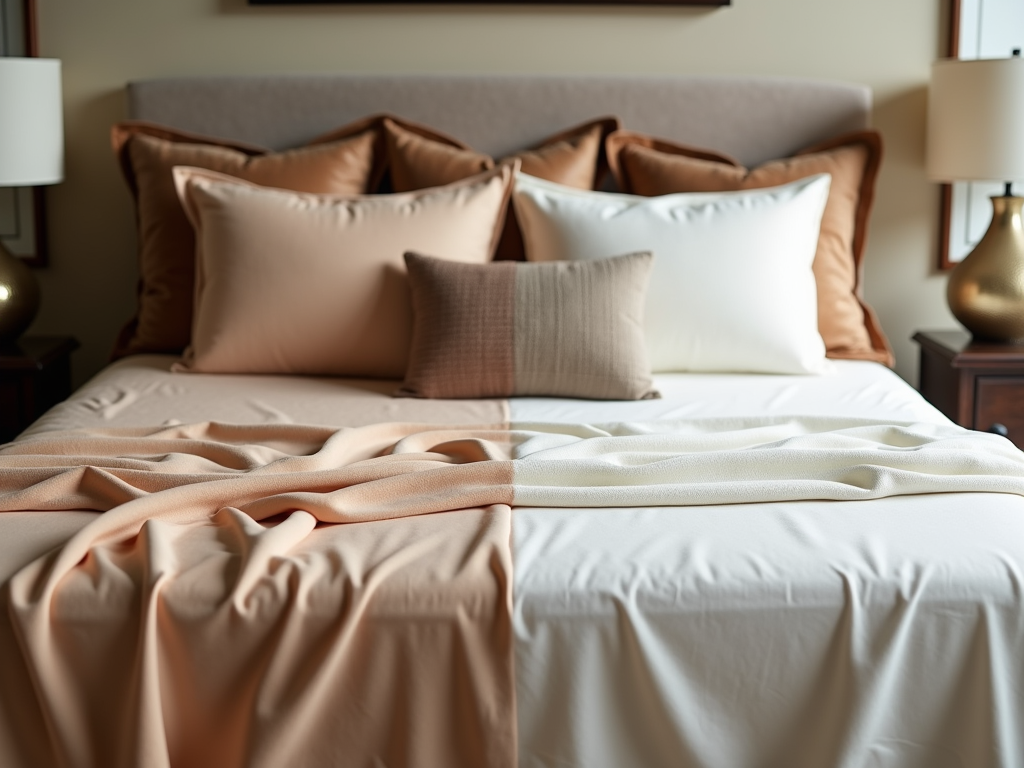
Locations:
(563, 329)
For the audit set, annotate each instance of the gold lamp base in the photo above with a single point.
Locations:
(986, 290)
(19, 297)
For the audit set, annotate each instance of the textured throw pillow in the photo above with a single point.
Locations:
(565, 329)
(348, 161)
(288, 282)
(731, 288)
(646, 166)
(420, 157)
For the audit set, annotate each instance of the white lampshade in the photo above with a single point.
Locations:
(31, 122)
(976, 120)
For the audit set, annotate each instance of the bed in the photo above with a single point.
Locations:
(809, 568)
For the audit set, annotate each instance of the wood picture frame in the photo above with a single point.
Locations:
(22, 209)
(704, 3)
(977, 29)
(946, 190)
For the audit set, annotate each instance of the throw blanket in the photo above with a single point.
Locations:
(210, 618)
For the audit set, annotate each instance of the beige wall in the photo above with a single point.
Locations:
(89, 287)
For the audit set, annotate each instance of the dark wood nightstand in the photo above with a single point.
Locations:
(35, 373)
(979, 385)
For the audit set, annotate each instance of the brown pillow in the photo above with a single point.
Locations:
(420, 157)
(647, 166)
(347, 161)
(565, 329)
(293, 282)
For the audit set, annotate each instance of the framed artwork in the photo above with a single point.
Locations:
(22, 213)
(978, 29)
(494, 2)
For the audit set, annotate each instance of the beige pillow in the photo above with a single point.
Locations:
(348, 161)
(648, 166)
(289, 282)
(565, 329)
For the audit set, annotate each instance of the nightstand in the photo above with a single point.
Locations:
(979, 385)
(35, 373)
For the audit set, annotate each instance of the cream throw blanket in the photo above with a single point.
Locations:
(729, 461)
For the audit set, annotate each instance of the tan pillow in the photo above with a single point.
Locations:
(348, 161)
(565, 329)
(289, 282)
(420, 157)
(646, 166)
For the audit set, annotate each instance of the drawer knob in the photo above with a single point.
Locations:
(999, 429)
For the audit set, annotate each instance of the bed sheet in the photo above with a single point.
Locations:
(882, 633)
(141, 391)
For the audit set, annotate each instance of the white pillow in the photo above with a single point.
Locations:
(732, 287)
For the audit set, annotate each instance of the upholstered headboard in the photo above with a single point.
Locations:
(752, 118)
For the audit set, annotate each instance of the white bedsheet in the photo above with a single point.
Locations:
(881, 633)
(850, 388)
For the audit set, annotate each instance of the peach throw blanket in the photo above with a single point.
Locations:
(209, 619)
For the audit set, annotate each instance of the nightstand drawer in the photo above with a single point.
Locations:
(35, 373)
(975, 383)
(1000, 400)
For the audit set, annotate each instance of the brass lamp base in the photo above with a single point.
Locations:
(986, 290)
(19, 297)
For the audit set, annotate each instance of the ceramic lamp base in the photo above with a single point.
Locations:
(986, 290)
(19, 296)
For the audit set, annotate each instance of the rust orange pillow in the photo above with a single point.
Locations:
(644, 165)
(347, 161)
(420, 157)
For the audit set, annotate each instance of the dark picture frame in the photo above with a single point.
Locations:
(976, 29)
(24, 207)
(946, 190)
(704, 3)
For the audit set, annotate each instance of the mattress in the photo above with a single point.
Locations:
(801, 633)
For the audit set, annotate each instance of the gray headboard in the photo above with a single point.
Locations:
(752, 118)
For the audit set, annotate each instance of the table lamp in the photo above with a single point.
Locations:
(976, 133)
(31, 154)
